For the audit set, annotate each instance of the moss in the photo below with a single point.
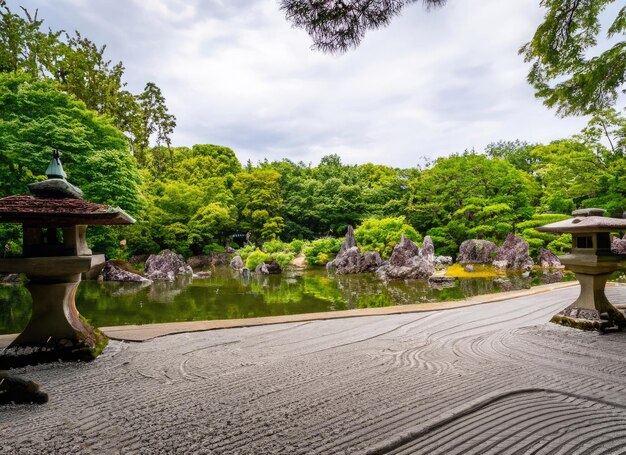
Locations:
(480, 271)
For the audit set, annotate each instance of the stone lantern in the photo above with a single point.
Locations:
(592, 262)
(55, 253)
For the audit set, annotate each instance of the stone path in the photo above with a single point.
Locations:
(493, 378)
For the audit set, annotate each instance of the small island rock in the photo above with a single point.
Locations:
(406, 263)
(548, 260)
(110, 272)
(350, 260)
(237, 263)
(167, 265)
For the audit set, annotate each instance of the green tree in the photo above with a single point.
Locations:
(383, 234)
(568, 72)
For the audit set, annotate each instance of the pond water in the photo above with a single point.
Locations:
(226, 295)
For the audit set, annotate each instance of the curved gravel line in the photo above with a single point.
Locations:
(491, 378)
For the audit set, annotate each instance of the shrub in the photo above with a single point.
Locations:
(284, 259)
(320, 251)
(255, 258)
(383, 234)
(296, 246)
(213, 248)
(275, 246)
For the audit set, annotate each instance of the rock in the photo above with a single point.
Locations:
(10, 278)
(504, 283)
(513, 255)
(406, 263)
(299, 261)
(618, 246)
(237, 263)
(470, 268)
(110, 272)
(551, 276)
(245, 273)
(18, 390)
(427, 251)
(547, 259)
(350, 260)
(167, 265)
(270, 268)
(443, 261)
(202, 275)
(477, 252)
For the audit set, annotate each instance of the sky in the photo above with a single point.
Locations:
(235, 73)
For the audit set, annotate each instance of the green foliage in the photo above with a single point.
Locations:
(275, 246)
(537, 240)
(213, 248)
(382, 235)
(321, 251)
(257, 257)
(284, 259)
(296, 246)
(568, 71)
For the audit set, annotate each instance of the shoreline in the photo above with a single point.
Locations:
(146, 332)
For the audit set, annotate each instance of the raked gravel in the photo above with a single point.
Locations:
(493, 378)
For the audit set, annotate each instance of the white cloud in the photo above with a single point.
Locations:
(235, 73)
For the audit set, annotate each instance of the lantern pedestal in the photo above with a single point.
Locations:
(55, 330)
(592, 309)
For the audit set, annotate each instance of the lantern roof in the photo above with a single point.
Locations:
(586, 221)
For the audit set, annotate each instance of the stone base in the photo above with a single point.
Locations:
(55, 331)
(586, 319)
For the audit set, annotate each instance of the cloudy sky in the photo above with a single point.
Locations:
(235, 73)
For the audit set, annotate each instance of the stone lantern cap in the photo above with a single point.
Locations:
(585, 224)
(59, 212)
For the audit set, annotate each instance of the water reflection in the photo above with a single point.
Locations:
(228, 295)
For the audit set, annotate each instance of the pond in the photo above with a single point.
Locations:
(226, 295)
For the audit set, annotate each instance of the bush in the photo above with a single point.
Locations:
(383, 234)
(284, 259)
(275, 246)
(320, 251)
(255, 258)
(213, 248)
(296, 246)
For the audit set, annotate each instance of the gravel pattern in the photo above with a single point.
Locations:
(493, 378)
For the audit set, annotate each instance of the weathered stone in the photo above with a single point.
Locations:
(443, 261)
(237, 263)
(350, 260)
(470, 268)
(513, 255)
(110, 272)
(547, 259)
(618, 246)
(166, 265)
(18, 390)
(477, 252)
(427, 251)
(440, 282)
(10, 278)
(551, 276)
(406, 263)
(269, 268)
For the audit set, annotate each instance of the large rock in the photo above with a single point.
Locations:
(110, 272)
(427, 251)
(548, 260)
(237, 263)
(618, 246)
(477, 252)
(513, 255)
(350, 260)
(443, 261)
(167, 265)
(406, 263)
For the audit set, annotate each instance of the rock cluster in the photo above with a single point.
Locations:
(111, 272)
(408, 262)
(167, 265)
(513, 255)
(270, 268)
(350, 260)
(206, 260)
(477, 252)
(18, 390)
